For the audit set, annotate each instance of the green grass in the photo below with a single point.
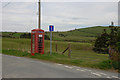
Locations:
(59, 58)
(17, 35)
(81, 55)
(14, 43)
(81, 41)
(77, 35)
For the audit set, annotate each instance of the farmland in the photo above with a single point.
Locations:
(81, 41)
(77, 35)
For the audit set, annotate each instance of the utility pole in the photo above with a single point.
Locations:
(39, 16)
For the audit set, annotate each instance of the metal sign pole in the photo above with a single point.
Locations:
(50, 42)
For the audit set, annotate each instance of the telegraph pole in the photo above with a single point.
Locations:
(39, 16)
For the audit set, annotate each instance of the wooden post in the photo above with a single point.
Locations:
(39, 16)
(69, 52)
(109, 52)
(56, 47)
(65, 50)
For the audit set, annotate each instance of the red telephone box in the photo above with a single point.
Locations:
(37, 41)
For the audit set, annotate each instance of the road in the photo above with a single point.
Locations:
(20, 67)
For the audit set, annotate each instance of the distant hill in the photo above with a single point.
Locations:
(78, 35)
(89, 32)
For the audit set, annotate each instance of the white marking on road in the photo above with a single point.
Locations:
(82, 70)
(68, 67)
(78, 69)
(103, 74)
(59, 64)
(65, 66)
(89, 70)
(108, 77)
(115, 77)
(95, 74)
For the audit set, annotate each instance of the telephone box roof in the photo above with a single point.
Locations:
(38, 30)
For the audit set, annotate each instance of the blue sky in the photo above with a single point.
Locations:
(22, 16)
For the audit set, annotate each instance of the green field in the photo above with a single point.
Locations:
(77, 35)
(82, 54)
(81, 41)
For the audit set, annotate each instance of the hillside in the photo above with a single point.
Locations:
(78, 35)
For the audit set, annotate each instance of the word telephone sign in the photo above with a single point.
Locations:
(37, 41)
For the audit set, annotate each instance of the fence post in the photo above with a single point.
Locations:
(56, 47)
(69, 52)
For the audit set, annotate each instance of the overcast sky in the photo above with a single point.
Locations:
(22, 16)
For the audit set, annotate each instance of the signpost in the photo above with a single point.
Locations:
(51, 28)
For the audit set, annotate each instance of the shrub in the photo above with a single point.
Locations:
(105, 64)
(47, 37)
(116, 65)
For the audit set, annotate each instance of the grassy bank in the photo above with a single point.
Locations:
(58, 58)
(82, 54)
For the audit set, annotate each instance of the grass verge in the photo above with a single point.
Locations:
(63, 59)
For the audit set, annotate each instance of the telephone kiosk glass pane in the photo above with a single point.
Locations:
(40, 40)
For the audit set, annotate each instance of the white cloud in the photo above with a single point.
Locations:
(64, 15)
(80, 14)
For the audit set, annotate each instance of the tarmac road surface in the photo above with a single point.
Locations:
(20, 67)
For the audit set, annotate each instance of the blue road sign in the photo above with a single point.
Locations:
(51, 27)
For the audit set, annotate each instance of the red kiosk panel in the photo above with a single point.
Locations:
(37, 41)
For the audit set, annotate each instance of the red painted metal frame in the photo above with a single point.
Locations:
(36, 33)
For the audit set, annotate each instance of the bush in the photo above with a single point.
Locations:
(47, 37)
(116, 65)
(101, 43)
(108, 64)
(105, 64)
(118, 45)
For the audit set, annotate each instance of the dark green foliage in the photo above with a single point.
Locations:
(61, 35)
(108, 64)
(112, 41)
(113, 36)
(105, 40)
(47, 37)
(101, 43)
(118, 45)
(116, 65)
(119, 35)
(105, 64)
(25, 35)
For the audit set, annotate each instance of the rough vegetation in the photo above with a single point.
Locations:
(81, 40)
(109, 43)
(77, 35)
